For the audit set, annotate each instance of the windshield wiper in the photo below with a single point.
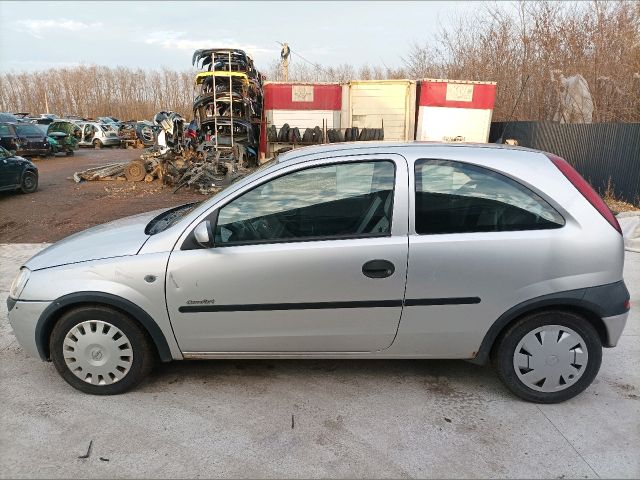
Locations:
(169, 218)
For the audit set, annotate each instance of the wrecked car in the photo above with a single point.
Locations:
(66, 134)
(25, 139)
(98, 135)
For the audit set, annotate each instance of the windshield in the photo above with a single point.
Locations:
(169, 218)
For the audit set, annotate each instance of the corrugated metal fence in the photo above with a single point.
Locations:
(601, 152)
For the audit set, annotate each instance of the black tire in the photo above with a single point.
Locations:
(318, 136)
(97, 144)
(283, 136)
(338, 136)
(143, 357)
(272, 134)
(347, 135)
(504, 350)
(29, 182)
(355, 133)
(331, 136)
(70, 153)
(381, 134)
(308, 136)
(364, 133)
(295, 135)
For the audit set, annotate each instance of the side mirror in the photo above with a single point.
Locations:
(203, 234)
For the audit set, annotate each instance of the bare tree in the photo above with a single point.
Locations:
(526, 46)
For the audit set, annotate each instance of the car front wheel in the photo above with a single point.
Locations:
(100, 351)
(548, 357)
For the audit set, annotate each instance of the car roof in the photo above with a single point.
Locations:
(357, 148)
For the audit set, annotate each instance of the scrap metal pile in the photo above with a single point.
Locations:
(136, 134)
(228, 106)
(220, 144)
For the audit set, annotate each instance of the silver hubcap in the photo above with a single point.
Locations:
(97, 352)
(550, 358)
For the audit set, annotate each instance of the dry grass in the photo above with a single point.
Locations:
(617, 205)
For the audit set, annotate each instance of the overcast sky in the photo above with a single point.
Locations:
(153, 34)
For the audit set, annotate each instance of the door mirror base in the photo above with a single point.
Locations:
(203, 234)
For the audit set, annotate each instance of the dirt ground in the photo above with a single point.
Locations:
(61, 207)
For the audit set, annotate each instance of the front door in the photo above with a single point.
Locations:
(88, 133)
(313, 260)
(9, 170)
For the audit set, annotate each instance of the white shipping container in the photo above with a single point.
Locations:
(378, 103)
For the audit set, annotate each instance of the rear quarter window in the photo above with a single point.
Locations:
(455, 197)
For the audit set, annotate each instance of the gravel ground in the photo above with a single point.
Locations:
(315, 418)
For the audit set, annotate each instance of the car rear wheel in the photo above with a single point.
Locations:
(97, 144)
(100, 351)
(549, 356)
(29, 182)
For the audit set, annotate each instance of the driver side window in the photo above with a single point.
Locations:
(344, 200)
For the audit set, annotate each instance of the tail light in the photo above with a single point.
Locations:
(585, 189)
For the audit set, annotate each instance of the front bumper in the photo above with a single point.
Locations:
(614, 326)
(23, 317)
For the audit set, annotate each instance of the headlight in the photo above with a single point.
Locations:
(19, 283)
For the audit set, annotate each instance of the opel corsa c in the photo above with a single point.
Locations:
(386, 250)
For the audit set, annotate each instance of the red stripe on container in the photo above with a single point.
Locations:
(434, 94)
(325, 97)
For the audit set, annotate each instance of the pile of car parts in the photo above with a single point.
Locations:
(135, 134)
(228, 105)
(220, 144)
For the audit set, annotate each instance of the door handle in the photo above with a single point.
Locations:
(378, 269)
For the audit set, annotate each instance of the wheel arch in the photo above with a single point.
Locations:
(59, 307)
(592, 303)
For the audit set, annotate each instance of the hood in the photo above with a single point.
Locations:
(114, 239)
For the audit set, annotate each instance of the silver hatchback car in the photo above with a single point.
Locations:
(381, 250)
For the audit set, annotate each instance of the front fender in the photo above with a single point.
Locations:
(120, 282)
(51, 313)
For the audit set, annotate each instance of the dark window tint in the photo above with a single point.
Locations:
(344, 200)
(4, 130)
(28, 130)
(453, 197)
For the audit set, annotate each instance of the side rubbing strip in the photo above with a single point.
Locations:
(412, 302)
(267, 307)
(261, 307)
